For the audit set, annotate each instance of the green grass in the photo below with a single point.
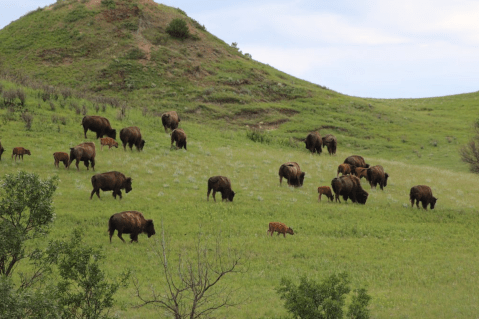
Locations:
(414, 263)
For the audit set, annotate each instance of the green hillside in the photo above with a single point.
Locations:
(243, 120)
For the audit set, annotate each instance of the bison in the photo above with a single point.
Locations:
(360, 172)
(20, 151)
(132, 136)
(178, 136)
(220, 184)
(345, 169)
(130, 222)
(280, 228)
(170, 120)
(1, 151)
(331, 142)
(292, 172)
(326, 190)
(349, 186)
(314, 142)
(108, 141)
(83, 152)
(110, 181)
(423, 194)
(61, 157)
(356, 160)
(98, 124)
(376, 175)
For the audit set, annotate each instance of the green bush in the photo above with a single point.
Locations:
(178, 28)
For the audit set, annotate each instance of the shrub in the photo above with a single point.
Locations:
(110, 4)
(28, 119)
(135, 54)
(178, 28)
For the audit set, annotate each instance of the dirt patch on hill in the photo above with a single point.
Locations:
(268, 125)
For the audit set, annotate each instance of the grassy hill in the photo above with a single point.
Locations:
(243, 120)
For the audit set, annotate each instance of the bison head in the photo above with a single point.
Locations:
(150, 228)
(433, 202)
(362, 197)
(115, 143)
(228, 194)
(128, 185)
(386, 175)
(112, 134)
(301, 178)
(28, 152)
(290, 231)
(142, 144)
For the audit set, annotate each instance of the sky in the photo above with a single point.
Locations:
(365, 48)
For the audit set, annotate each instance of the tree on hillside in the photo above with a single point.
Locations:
(193, 288)
(470, 152)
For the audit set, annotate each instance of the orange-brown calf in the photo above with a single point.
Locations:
(280, 228)
(360, 172)
(344, 169)
(20, 151)
(108, 141)
(326, 190)
(61, 157)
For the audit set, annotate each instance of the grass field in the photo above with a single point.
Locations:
(414, 263)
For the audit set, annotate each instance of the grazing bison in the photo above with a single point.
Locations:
(326, 190)
(345, 169)
(110, 181)
(132, 136)
(280, 228)
(220, 184)
(1, 151)
(178, 136)
(360, 172)
(331, 142)
(376, 175)
(98, 124)
(349, 186)
(61, 157)
(108, 141)
(314, 142)
(292, 173)
(130, 222)
(20, 151)
(356, 160)
(170, 120)
(423, 194)
(83, 152)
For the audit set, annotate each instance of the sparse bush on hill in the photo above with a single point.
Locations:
(178, 28)
(28, 119)
(470, 152)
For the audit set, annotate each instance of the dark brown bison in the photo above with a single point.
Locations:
(423, 194)
(280, 228)
(130, 222)
(356, 160)
(220, 184)
(108, 141)
(61, 157)
(98, 124)
(349, 186)
(314, 142)
(1, 151)
(132, 136)
(292, 172)
(345, 169)
(178, 136)
(360, 172)
(326, 190)
(331, 142)
(376, 175)
(83, 152)
(20, 151)
(110, 181)
(170, 120)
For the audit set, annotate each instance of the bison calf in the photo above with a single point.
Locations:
(360, 172)
(108, 141)
(61, 157)
(20, 151)
(280, 228)
(423, 194)
(178, 136)
(326, 190)
(220, 184)
(130, 222)
(345, 169)
(110, 181)
(293, 174)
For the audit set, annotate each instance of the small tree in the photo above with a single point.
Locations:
(178, 28)
(324, 300)
(193, 288)
(470, 152)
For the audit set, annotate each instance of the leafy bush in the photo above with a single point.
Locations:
(258, 136)
(178, 28)
(324, 300)
(110, 4)
(76, 14)
(135, 54)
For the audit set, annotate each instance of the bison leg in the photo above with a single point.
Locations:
(76, 164)
(92, 164)
(111, 233)
(119, 235)
(85, 129)
(424, 204)
(65, 163)
(319, 198)
(86, 164)
(134, 237)
(280, 180)
(208, 194)
(214, 194)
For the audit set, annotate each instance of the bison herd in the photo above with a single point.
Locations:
(132, 222)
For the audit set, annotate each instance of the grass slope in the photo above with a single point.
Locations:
(415, 263)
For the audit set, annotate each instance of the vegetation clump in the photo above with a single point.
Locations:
(178, 28)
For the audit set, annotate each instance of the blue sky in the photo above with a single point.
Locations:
(376, 48)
